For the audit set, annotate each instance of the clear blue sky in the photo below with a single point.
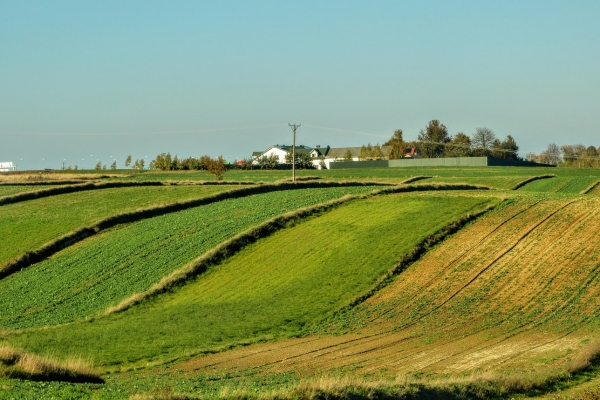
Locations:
(87, 80)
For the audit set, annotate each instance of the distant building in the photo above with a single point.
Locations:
(7, 166)
(320, 155)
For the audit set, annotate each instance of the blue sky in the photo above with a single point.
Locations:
(88, 81)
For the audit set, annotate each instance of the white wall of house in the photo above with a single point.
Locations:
(330, 160)
(280, 154)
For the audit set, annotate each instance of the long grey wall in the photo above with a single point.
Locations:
(437, 162)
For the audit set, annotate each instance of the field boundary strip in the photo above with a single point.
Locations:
(232, 246)
(533, 178)
(590, 188)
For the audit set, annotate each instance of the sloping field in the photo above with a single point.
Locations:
(87, 278)
(30, 224)
(517, 293)
(560, 184)
(273, 288)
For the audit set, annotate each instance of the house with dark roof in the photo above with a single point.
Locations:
(321, 155)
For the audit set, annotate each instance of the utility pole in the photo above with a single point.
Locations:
(294, 127)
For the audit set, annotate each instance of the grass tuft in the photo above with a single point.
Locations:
(18, 364)
(588, 355)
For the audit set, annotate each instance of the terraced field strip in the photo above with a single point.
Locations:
(561, 184)
(594, 188)
(31, 224)
(97, 273)
(517, 289)
(272, 288)
(9, 190)
(503, 182)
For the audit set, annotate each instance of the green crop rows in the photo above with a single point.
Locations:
(8, 190)
(87, 278)
(30, 224)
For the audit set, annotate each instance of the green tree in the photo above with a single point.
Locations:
(377, 152)
(482, 141)
(113, 166)
(98, 166)
(128, 161)
(216, 167)
(268, 162)
(434, 138)
(76, 167)
(397, 144)
(348, 155)
(460, 146)
(364, 154)
(303, 160)
(511, 150)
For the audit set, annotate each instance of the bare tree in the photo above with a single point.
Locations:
(553, 154)
(482, 141)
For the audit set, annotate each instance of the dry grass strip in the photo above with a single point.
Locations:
(18, 364)
(590, 188)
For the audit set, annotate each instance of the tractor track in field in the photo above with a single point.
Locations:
(472, 247)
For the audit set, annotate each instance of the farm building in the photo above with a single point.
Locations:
(7, 166)
(319, 154)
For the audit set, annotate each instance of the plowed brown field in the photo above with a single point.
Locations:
(517, 292)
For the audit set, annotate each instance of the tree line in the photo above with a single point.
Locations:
(568, 155)
(434, 141)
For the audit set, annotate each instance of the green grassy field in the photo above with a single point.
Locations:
(31, 224)
(272, 289)
(560, 184)
(8, 190)
(503, 308)
(85, 279)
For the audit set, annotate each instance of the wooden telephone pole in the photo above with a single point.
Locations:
(294, 127)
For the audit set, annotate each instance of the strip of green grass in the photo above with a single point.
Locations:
(560, 184)
(33, 223)
(8, 190)
(276, 287)
(87, 278)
